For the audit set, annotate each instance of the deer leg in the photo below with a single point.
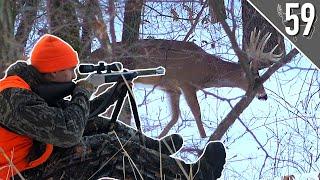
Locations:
(190, 94)
(174, 97)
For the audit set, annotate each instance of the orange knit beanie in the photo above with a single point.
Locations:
(52, 54)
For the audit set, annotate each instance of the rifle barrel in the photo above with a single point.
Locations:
(151, 72)
(130, 75)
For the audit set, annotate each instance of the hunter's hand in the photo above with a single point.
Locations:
(91, 82)
(122, 85)
(96, 79)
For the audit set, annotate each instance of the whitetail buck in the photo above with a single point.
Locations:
(189, 69)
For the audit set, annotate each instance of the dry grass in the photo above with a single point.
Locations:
(11, 166)
(189, 176)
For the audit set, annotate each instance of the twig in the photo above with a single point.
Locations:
(144, 101)
(128, 156)
(196, 21)
(219, 97)
(178, 162)
(11, 165)
(254, 137)
(103, 165)
(252, 134)
(164, 15)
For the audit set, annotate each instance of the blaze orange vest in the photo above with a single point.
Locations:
(14, 148)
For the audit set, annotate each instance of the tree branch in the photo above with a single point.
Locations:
(278, 65)
(28, 16)
(112, 14)
(243, 58)
(196, 21)
(228, 121)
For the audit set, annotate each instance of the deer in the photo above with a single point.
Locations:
(189, 69)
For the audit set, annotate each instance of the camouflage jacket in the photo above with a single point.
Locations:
(26, 113)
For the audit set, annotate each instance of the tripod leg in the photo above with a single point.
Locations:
(134, 110)
(117, 108)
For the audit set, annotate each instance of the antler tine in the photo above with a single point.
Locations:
(263, 42)
(250, 47)
(257, 45)
(275, 57)
(251, 37)
(252, 34)
(254, 39)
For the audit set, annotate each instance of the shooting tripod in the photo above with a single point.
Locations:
(119, 77)
(122, 93)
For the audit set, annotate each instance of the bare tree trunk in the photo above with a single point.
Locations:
(130, 34)
(87, 34)
(28, 17)
(131, 25)
(12, 45)
(7, 18)
(112, 14)
(217, 10)
(234, 114)
(93, 24)
(63, 21)
(132, 20)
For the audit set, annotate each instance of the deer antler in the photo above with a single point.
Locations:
(256, 47)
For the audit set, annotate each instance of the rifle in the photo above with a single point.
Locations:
(52, 92)
(112, 72)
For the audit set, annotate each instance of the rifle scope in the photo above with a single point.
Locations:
(88, 68)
